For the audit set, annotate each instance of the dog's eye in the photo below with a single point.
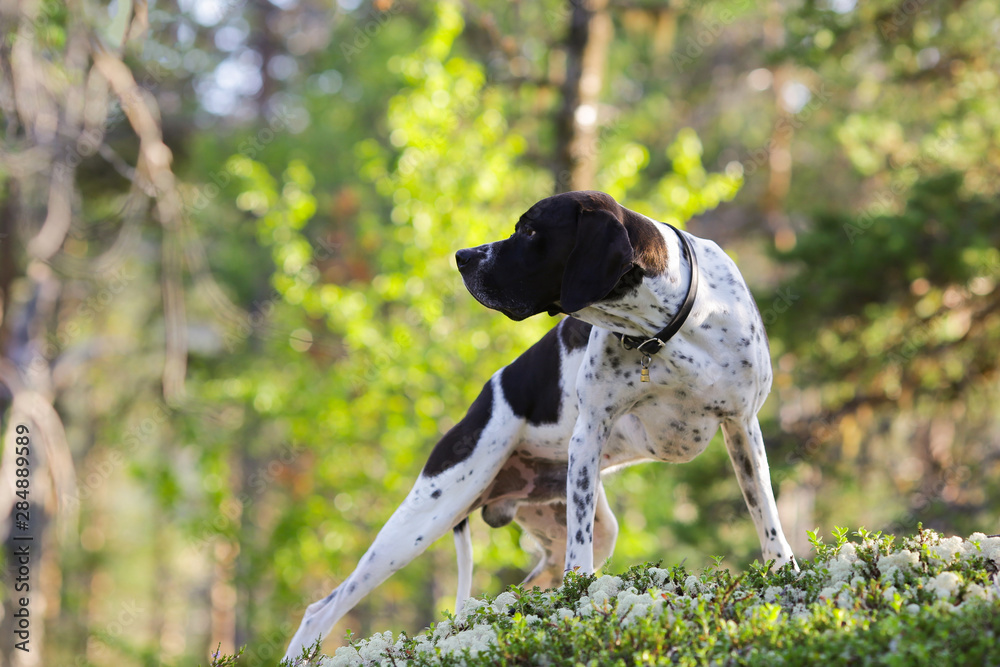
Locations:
(528, 231)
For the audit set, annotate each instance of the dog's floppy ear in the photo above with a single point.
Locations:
(601, 256)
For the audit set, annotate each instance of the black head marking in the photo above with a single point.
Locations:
(567, 252)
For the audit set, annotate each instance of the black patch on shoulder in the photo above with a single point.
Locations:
(531, 382)
(459, 442)
(574, 333)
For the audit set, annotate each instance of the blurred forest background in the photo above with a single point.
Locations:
(232, 321)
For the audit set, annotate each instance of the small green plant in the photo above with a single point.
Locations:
(219, 660)
(312, 655)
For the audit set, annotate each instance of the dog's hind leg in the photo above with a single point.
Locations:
(423, 517)
(547, 525)
(463, 553)
(458, 473)
(746, 451)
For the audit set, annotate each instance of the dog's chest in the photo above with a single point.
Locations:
(694, 384)
(675, 429)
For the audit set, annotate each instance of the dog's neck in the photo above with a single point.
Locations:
(642, 303)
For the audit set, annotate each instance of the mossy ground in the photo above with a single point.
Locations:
(876, 600)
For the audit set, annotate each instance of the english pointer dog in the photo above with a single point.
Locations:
(664, 345)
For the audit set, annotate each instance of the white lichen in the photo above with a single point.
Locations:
(945, 585)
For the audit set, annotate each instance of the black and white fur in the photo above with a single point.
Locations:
(506, 456)
(572, 406)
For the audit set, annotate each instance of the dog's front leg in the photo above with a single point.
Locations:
(582, 483)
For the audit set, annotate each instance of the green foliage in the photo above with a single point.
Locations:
(220, 659)
(943, 237)
(933, 596)
(332, 342)
(688, 189)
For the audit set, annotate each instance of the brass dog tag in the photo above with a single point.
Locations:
(644, 373)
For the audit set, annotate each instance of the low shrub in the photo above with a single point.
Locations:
(872, 601)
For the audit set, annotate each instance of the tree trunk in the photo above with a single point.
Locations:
(577, 122)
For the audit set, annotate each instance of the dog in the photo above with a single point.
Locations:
(664, 345)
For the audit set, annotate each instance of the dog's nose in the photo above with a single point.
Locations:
(464, 256)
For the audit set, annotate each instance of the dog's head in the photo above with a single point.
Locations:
(567, 252)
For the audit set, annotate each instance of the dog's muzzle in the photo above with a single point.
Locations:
(470, 263)
(468, 258)
(475, 264)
